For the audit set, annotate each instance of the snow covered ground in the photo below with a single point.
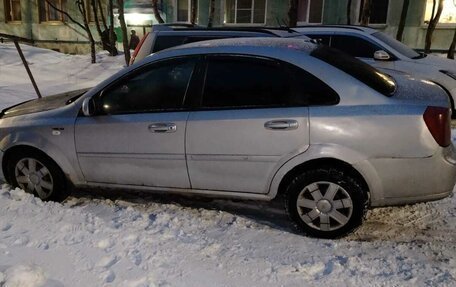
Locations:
(105, 238)
(53, 72)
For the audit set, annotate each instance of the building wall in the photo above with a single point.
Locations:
(66, 37)
(69, 38)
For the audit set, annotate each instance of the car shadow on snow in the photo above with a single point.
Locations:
(271, 214)
(416, 224)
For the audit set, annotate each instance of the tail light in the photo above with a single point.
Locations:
(135, 53)
(437, 120)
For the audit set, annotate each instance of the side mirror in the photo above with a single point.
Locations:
(381, 55)
(88, 107)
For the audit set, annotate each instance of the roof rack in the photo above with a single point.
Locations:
(171, 26)
(190, 27)
(354, 27)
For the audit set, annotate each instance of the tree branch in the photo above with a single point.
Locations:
(66, 14)
(95, 16)
(103, 19)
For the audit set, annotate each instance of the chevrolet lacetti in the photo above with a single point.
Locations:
(243, 118)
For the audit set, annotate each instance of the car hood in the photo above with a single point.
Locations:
(439, 62)
(44, 104)
(410, 87)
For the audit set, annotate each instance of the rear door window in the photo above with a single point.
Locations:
(357, 69)
(245, 82)
(354, 46)
(321, 39)
(165, 42)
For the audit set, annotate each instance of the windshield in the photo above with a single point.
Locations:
(398, 46)
(363, 72)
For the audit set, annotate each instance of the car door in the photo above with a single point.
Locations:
(251, 119)
(137, 136)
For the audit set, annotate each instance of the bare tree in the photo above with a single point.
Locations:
(349, 4)
(120, 4)
(292, 13)
(102, 16)
(365, 15)
(83, 10)
(432, 24)
(194, 8)
(400, 29)
(450, 54)
(85, 26)
(112, 35)
(210, 20)
(94, 5)
(156, 12)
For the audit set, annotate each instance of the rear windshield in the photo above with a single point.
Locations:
(365, 73)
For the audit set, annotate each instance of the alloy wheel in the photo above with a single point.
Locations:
(34, 177)
(324, 206)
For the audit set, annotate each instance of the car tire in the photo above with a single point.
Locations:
(326, 203)
(37, 174)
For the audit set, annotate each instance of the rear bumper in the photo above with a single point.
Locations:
(411, 180)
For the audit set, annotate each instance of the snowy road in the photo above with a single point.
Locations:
(101, 238)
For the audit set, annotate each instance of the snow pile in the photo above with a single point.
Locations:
(23, 276)
(53, 72)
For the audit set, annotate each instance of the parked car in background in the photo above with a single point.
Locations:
(243, 118)
(386, 53)
(165, 36)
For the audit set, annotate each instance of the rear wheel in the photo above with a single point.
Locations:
(326, 203)
(37, 174)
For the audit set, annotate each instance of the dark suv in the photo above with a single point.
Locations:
(165, 36)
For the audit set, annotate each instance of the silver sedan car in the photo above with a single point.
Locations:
(243, 118)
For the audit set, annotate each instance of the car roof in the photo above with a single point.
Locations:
(266, 43)
(354, 28)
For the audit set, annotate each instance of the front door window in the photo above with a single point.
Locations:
(160, 88)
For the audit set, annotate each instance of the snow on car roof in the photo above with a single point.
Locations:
(284, 43)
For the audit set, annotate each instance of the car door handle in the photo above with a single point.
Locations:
(163, 128)
(281, 125)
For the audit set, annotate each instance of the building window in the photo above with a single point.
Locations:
(448, 13)
(378, 11)
(13, 10)
(245, 11)
(310, 11)
(183, 10)
(49, 14)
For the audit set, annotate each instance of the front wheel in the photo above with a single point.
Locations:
(325, 203)
(37, 174)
